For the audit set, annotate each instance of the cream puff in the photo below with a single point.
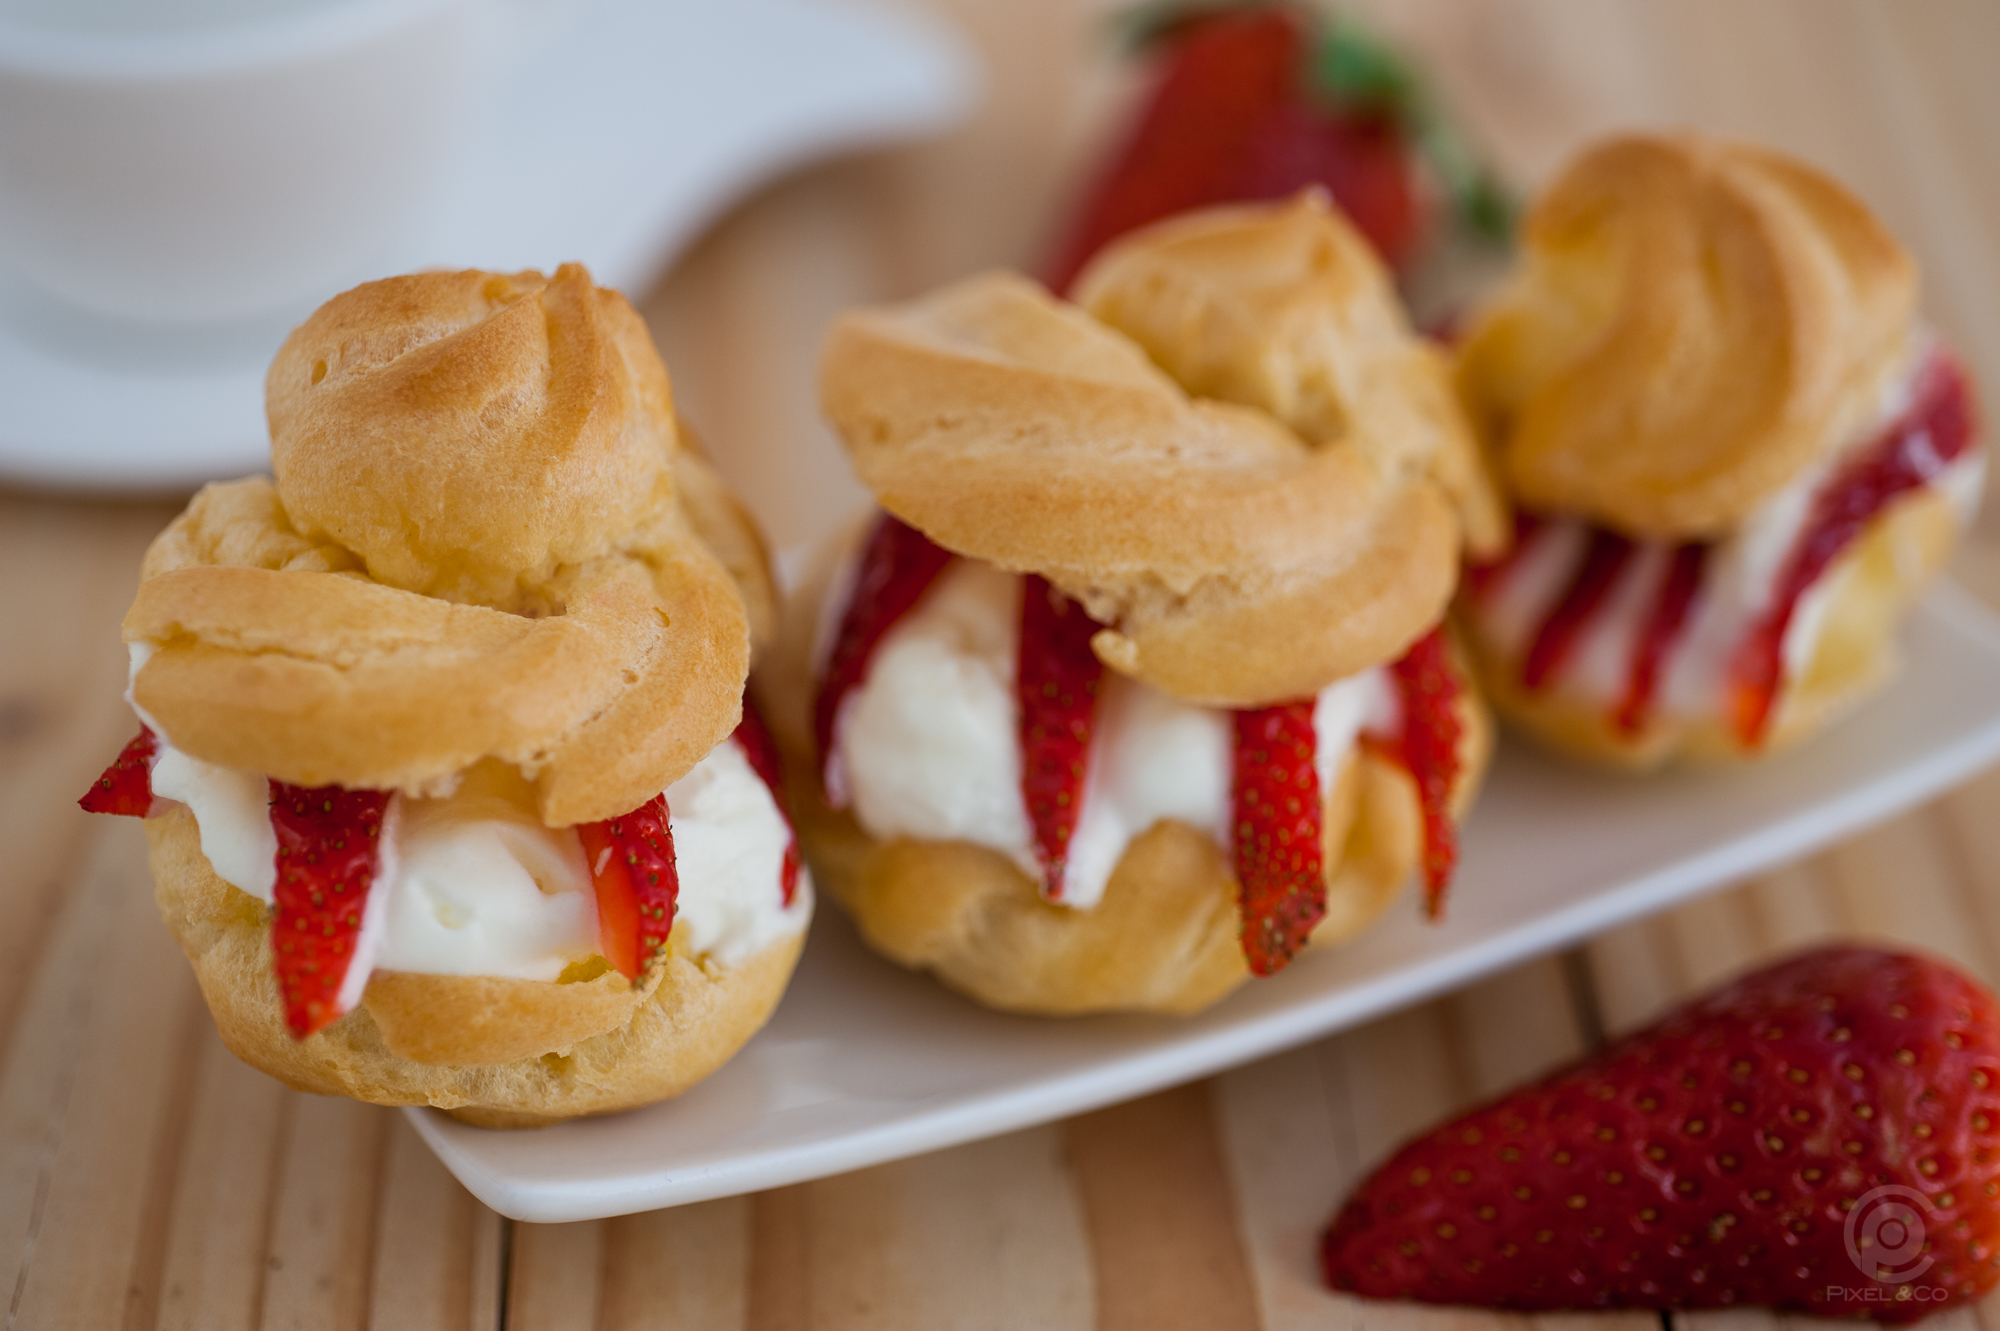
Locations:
(450, 789)
(1737, 452)
(1136, 686)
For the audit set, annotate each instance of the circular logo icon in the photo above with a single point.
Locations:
(1885, 1234)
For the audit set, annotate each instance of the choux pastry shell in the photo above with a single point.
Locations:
(1693, 322)
(490, 554)
(1290, 515)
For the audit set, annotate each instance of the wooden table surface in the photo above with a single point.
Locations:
(147, 1178)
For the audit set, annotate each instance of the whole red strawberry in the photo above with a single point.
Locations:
(1819, 1135)
(1055, 680)
(1235, 116)
(1277, 822)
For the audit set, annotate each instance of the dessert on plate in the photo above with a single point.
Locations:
(1737, 453)
(450, 789)
(1136, 685)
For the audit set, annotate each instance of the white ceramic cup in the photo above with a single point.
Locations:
(181, 161)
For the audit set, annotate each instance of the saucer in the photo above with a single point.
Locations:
(635, 128)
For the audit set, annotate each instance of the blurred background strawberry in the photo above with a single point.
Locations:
(1259, 101)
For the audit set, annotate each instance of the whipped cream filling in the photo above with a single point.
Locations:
(1739, 581)
(480, 887)
(474, 884)
(927, 746)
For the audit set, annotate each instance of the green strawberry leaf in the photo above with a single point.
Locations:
(1146, 25)
(1358, 71)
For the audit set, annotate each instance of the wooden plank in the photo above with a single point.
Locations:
(94, 1093)
(213, 1278)
(1895, 883)
(1945, 45)
(175, 1108)
(685, 1267)
(320, 1256)
(434, 1244)
(1712, 938)
(1934, 210)
(1968, 826)
(780, 1293)
(1512, 1028)
(1793, 907)
(1160, 1216)
(1289, 1167)
(1529, 79)
(66, 574)
(557, 1277)
(984, 1236)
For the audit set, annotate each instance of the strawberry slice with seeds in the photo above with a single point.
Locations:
(1056, 682)
(1590, 586)
(329, 848)
(897, 566)
(1278, 822)
(126, 787)
(1822, 1134)
(632, 865)
(1940, 423)
(754, 738)
(1430, 688)
(1665, 620)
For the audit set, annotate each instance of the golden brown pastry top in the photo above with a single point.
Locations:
(488, 537)
(1693, 323)
(1233, 450)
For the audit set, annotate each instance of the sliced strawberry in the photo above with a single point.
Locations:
(1604, 561)
(1659, 634)
(1056, 681)
(1823, 1134)
(1277, 825)
(897, 566)
(127, 785)
(1429, 686)
(632, 864)
(329, 845)
(617, 902)
(762, 751)
(1941, 423)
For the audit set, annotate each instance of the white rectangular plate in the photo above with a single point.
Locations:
(864, 1062)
